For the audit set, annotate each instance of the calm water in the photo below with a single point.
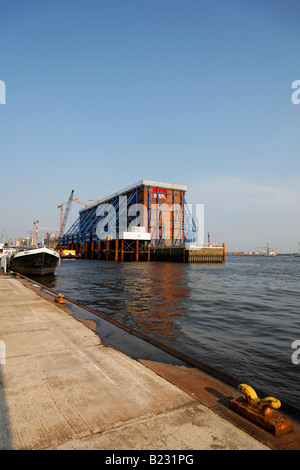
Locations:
(240, 317)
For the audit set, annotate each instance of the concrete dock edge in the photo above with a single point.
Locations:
(62, 388)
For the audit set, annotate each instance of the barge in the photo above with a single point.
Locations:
(35, 261)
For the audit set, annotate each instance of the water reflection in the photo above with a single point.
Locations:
(149, 296)
(155, 300)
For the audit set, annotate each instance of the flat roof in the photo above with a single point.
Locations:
(154, 184)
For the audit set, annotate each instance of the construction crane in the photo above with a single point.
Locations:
(49, 230)
(34, 232)
(80, 202)
(64, 218)
(63, 224)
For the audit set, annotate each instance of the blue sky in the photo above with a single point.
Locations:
(101, 94)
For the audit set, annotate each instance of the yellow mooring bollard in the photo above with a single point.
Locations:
(60, 299)
(261, 411)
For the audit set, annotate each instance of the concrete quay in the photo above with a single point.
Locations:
(208, 254)
(62, 388)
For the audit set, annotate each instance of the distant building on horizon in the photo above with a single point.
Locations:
(21, 241)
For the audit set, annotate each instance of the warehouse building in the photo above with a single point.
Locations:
(148, 211)
(148, 220)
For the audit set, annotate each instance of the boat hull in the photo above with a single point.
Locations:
(34, 262)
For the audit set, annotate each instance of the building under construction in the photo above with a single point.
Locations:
(147, 220)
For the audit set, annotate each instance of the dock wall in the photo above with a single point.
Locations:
(136, 250)
(186, 255)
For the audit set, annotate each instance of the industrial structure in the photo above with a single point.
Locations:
(64, 218)
(147, 220)
(51, 233)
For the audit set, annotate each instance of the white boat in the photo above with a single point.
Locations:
(3, 262)
(5, 253)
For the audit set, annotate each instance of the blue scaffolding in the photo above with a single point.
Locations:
(182, 226)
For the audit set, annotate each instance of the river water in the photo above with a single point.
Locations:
(240, 317)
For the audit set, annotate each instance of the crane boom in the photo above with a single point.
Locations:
(62, 228)
(80, 202)
(63, 220)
